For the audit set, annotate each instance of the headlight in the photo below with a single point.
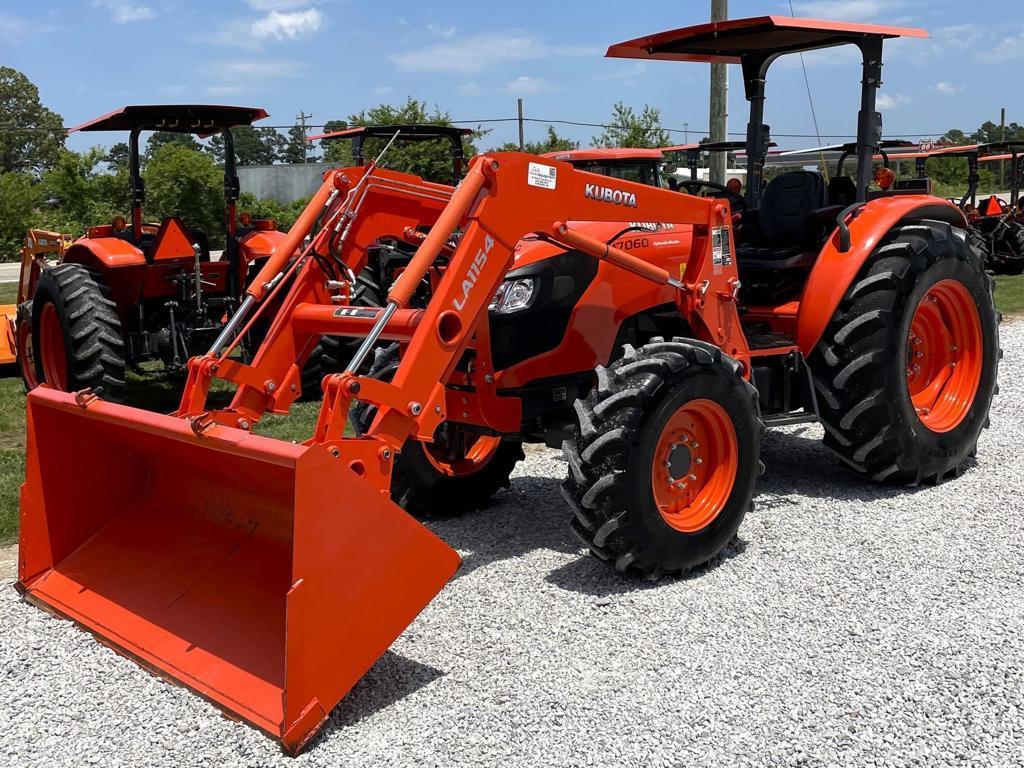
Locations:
(512, 296)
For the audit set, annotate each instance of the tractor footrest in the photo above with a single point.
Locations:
(770, 341)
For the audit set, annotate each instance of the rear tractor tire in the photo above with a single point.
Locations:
(459, 472)
(906, 369)
(1013, 245)
(663, 469)
(76, 333)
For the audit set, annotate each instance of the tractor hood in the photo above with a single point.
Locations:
(632, 235)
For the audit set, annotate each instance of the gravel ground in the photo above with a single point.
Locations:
(852, 625)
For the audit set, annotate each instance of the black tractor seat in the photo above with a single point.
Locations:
(786, 230)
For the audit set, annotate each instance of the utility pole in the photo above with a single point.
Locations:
(1002, 137)
(301, 119)
(686, 133)
(522, 135)
(719, 105)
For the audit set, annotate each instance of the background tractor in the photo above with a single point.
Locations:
(994, 224)
(270, 575)
(129, 292)
(386, 260)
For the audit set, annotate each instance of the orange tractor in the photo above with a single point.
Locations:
(269, 576)
(129, 292)
(995, 226)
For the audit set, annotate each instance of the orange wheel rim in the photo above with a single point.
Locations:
(944, 356)
(458, 453)
(695, 465)
(26, 355)
(52, 354)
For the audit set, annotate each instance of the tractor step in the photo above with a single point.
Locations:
(770, 341)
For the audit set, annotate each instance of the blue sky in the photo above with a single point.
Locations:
(334, 57)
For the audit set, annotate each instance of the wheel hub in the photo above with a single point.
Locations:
(944, 356)
(679, 460)
(695, 465)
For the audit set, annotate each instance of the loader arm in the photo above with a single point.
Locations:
(370, 205)
(504, 197)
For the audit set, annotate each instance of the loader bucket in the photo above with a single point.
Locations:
(266, 576)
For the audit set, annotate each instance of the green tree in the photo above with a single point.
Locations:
(430, 159)
(990, 132)
(284, 215)
(118, 157)
(184, 182)
(627, 129)
(552, 142)
(76, 194)
(296, 148)
(19, 196)
(158, 139)
(253, 146)
(32, 135)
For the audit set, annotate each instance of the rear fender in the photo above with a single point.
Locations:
(834, 271)
(104, 253)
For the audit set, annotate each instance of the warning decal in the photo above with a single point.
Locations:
(544, 176)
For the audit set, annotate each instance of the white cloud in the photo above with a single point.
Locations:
(383, 90)
(1008, 48)
(259, 68)
(287, 26)
(479, 52)
(436, 29)
(891, 101)
(227, 89)
(630, 72)
(173, 91)
(276, 5)
(945, 88)
(527, 86)
(469, 89)
(123, 12)
(12, 29)
(845, 10)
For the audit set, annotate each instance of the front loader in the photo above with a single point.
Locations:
(269, 576)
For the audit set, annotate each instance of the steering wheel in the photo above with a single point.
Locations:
(695, 186)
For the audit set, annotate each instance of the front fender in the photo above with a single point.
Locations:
(834, 271)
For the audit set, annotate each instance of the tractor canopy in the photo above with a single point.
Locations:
(403, 133)
(754, 44)
(607, 153)
(203, 120)
(642, 165)
(730, 42)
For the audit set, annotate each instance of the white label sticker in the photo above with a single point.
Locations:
(544, 176)
(721, 249)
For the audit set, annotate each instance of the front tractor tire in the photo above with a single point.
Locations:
(906, 369)
(458, 472)
(25, 350)
(663, 468)
(76, 333)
